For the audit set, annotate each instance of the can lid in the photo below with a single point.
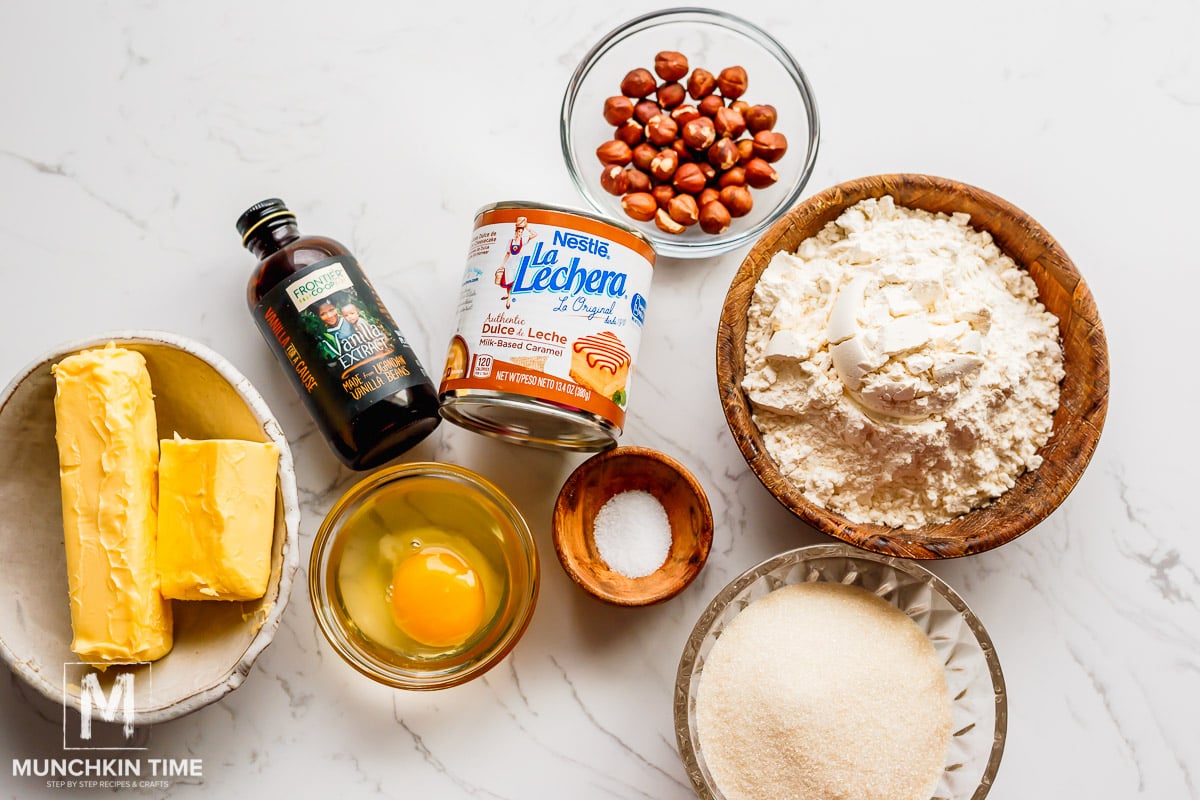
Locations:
(528, 420)
(261, 212)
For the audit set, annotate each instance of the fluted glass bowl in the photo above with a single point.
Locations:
(712, 40)
(973, 676)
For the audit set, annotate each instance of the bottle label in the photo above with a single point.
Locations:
(335, 338)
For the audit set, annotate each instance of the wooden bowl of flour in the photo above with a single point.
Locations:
(1084, 389)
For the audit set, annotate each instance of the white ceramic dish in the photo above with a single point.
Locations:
(199, 395)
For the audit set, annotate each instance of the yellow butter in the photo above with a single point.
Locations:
(108, 459)
(216, 518)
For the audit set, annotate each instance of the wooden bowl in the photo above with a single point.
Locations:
(624, 469)
(1084, 390)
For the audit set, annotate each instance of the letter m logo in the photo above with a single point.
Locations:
(121, 697)
(108, 697)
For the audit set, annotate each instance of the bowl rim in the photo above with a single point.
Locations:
(703, 538)
(909, 543)
(328, 534)
(720, 243)
(685, 673)
(238, 672)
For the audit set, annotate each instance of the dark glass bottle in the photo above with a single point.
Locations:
(360, 380)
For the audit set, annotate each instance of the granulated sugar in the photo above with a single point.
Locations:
(632, 533)
(821, 691)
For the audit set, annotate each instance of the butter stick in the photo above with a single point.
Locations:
(216, 518)
(108, 461)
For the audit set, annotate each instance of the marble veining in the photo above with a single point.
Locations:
(134, 133)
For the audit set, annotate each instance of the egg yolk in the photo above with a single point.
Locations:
(437, 597)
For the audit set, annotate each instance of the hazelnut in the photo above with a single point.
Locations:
(723, 154)
(683, 209)
(760, 118)
(700, 133)
(731, 82)
(670, 95)
(661, 129)
(664, 222)
(614, 180)
(770, 145)
(710, 105)
(630, 132)
(701, 84)
(760, 174)
(707, 195)
(664, 165)
(684, 114)
(670, 65)
(689, 179)
(745, 150)
(662, 194)
(685, 153)
(638, 180)
(729, 123)
(710, 172)
(740, 106)
(734, 176)
(643, 155)
(737, 200)
(714, 217)
(646, 109)
(638, 83)
(618, 109)
(614, 152)
(640, 205)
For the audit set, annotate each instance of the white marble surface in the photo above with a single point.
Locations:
(133, 133)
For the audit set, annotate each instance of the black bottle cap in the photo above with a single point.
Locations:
(270, 212)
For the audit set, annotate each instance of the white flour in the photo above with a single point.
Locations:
(901, 369)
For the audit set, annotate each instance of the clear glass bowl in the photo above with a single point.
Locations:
(973, 676)
(448, 498)
(712, 40)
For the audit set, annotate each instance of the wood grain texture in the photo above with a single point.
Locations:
(622, 469)
(1084, 399)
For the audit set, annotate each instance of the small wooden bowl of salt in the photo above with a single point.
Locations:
(632, 526)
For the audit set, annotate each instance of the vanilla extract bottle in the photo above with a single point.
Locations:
(341, 349)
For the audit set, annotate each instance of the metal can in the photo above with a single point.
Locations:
(550, 317)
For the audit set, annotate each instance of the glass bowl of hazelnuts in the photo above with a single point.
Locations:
(692, 125)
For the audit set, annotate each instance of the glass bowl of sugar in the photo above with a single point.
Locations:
(828, 667)
(632, 526)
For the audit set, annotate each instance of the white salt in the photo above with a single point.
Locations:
(632, 533)
(822, 690)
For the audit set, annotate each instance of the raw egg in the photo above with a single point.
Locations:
(437, 597)
(422, 591)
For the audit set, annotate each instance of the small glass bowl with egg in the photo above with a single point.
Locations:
(423, 576)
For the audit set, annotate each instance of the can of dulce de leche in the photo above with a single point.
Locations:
(549, 320)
